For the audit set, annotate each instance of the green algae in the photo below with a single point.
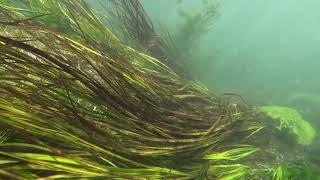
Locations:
(293, 121)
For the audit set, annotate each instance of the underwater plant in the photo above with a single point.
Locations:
(291, 120)
(132, 25)
(296, 171)
(185, 40)
(84, 104)
(280, 173)
(3, 136)
(194, 26)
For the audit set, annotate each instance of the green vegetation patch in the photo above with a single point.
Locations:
(291, 120)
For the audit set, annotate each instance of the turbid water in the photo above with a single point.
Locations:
(266, 51)
(261, 47)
